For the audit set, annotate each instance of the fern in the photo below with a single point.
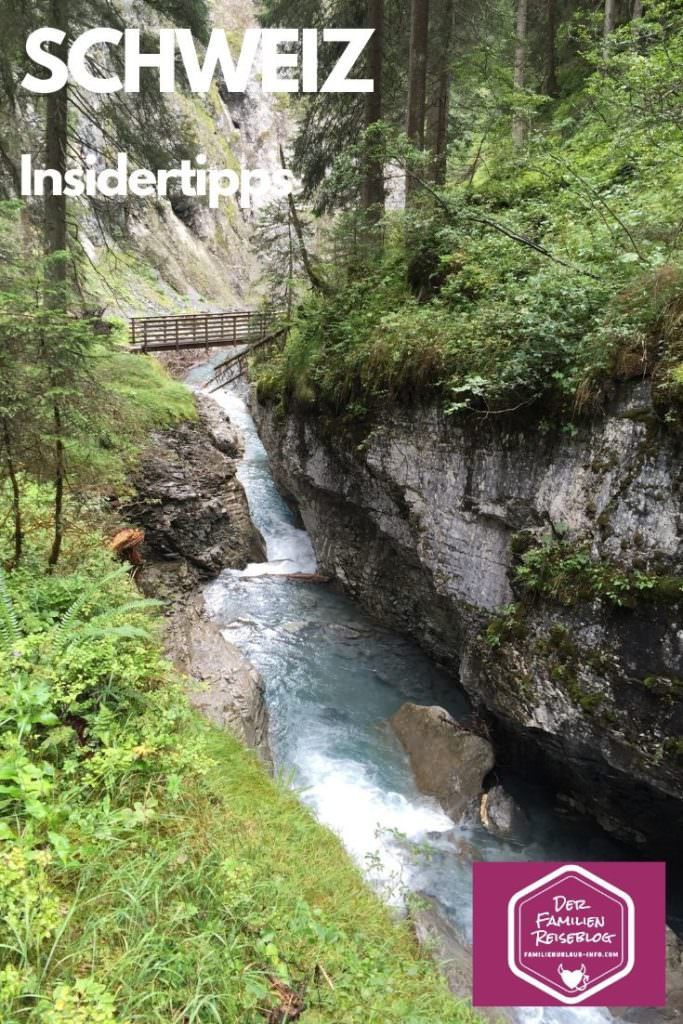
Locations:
(73, 630)
(10, 630)
(67, 627)
(91, 632)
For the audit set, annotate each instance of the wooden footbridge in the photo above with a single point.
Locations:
(243, 329)
(201, 330)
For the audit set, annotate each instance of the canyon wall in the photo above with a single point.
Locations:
(422, 518)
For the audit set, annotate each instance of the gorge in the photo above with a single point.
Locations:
(332, 678)
(292, 650)
(418, 517)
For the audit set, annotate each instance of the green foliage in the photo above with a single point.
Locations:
(508, 624)
(84, 1002)
(569, 573)
(28, 905)
(150, 870)
(142, 397)
(73, 405)
(535, 277)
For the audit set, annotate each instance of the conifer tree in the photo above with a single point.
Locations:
(518, 123)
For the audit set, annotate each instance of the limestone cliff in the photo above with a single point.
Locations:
(189, 501)
(421, 518)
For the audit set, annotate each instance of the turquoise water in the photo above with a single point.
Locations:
(333, 677)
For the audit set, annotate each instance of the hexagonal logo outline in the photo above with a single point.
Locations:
(605, 887)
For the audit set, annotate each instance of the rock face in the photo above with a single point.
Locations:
(673, 1011)
(674, 975)
(448, 762)
(449, 949)
(189, 500)
(451, 952)
(180, 254)
(197, 523)
(418, 515)
(229, 691)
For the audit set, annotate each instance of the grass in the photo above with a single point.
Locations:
(138, 396)
(151, 398)
(232, 886)
(151, 871)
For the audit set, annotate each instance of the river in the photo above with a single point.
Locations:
(333, 677)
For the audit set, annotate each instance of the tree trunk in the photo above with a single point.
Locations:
(437, 113)
(417, 78)
(372, 192)
(637, 11)
(56, 139)
(56, 243)
(610, 23)
(550, 85)
(316, 281)
(59, 478)
(16, 494)
(290, 269)
(519, 122)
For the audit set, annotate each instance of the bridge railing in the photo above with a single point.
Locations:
(199, 330)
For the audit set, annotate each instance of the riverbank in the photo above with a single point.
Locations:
(196, 522)
(150, 870)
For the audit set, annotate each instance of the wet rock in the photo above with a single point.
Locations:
(196, 522)
(502, 816)
(471, 816)
(225, 437)
(229, 690)
(453, 839)
(450, 950)
(189, 501)
(674, 975)
(343, 632)
(449, 762)
(294, 626)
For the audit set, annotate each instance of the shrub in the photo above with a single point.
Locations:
(569, 573)
(150, 870)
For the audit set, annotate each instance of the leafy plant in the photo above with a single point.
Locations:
(569, 573)
(534, 278)
(150, 870)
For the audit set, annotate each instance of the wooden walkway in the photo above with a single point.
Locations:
(200, 330)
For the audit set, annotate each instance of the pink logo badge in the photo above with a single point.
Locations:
(549, 934)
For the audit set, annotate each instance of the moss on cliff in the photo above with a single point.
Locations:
(568, 573)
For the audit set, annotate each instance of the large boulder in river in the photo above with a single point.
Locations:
(502, 816)
(448, 761)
